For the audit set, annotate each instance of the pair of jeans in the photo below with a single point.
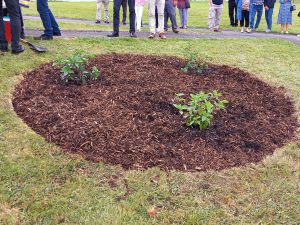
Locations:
(116, 21)
(98, 12)
(160, 4)
(170, 12)
(269, 15)
(15, 23)
(49, 22)
(183, 17)
(232, 9)
(245, 18)
(253, 10)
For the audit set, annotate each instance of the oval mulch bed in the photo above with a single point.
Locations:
(126, 118)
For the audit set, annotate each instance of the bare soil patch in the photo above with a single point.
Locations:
(126, 118)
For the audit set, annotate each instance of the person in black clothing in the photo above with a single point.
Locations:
(124, 7)
(13, 9)
(232, 8)
(116, 20)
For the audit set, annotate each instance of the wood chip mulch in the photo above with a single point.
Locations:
(127, 118)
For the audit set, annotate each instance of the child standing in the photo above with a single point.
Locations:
(243, 7)
(183, 6)
(139, 8)
(285, 15)
(215, 11)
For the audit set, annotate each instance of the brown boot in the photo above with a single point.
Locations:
(162, 35)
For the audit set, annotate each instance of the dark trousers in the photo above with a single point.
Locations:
(232, 8)
(245, 18)
(15, 23)
(124, 7)
(116, 21)
(170, 12)
(47, 18)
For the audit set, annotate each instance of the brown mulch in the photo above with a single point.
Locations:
(126, 118)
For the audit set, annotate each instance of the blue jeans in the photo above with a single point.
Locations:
(269, 15)
(253, 10)
(47, 18)
(170, 11)
(183, 17)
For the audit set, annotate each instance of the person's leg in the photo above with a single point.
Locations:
(166, 16)
(160, 14)
(247, 18)
(44, 11)
(235, 15)
(172, 14)
(15, 23)
(230, 11)
(252, 15)
(286, 28)
(267, 18)
(270, 18)
(259, 9)
(124, 7)
(106, 3)
(22, 35)
(139, 14)
(152, 22)
(116, 20)
(131, 4)
(217, 18)
(98, 11)
(55, 27)
(185, 14)
(211, 18)
(3, 41)
(181, 17)
(242, 22)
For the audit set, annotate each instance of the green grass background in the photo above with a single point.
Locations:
(40, 184)
(198, 14)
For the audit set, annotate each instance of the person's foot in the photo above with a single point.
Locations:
(57, 34)
(185, 27)
(166, 29)
(162, 35)
(113, 34)
(106, 21)
(18, 50)
(242, 30)
(286, 32)
(181, 27)
(248, 30)
(281, 32)
(256, 29)
(151, 36)
(217, 30)
(3, 48)
(97, 21)
(43, 37)
(176, 31)
(124, 23)
(132, 34)
(268, 30)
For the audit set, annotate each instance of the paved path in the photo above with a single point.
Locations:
(191, 33)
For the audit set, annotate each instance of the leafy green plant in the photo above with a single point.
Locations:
(199, 109)
(74, 69)
(194, 64)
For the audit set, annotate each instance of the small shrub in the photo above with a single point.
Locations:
(74, 69)
(200, 108)
(195, 64)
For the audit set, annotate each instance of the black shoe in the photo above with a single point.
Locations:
(43, 37)
(57, 34)
(97, 21)
(106, 22)
(132, 34)
(3, 48)
(113, 34)
(19, 50)
(124, 23)
(176, 31)
(166, 29)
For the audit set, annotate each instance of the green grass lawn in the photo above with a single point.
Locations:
(198, 14)
(40, 184)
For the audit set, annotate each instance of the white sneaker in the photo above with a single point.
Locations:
(286, 32)
(242, 30)
(248, 30)
(268, 30)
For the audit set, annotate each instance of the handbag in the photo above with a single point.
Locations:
(293, 7)
(187, 4)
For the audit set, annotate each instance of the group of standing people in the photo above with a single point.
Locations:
(246, 10)
(159, 13)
